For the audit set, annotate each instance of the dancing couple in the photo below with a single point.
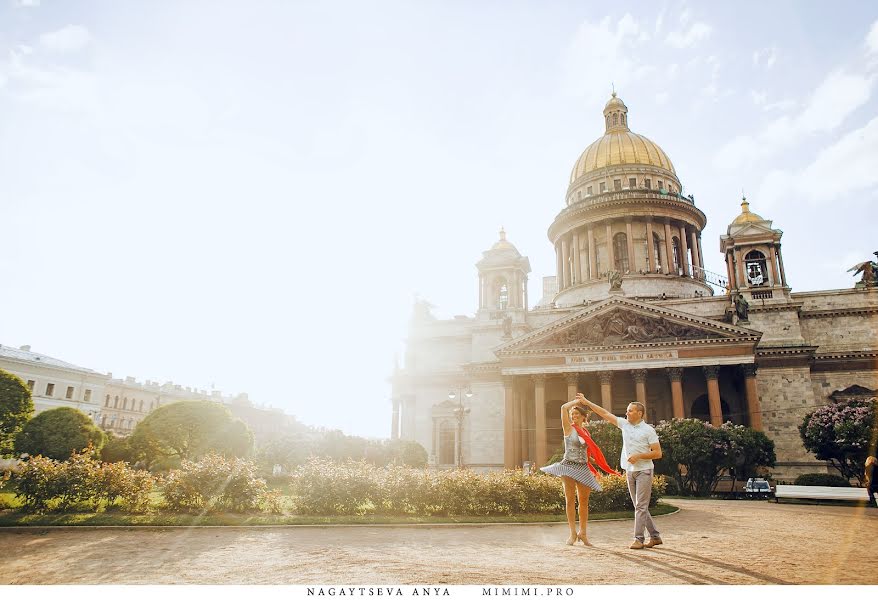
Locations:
(640, 445)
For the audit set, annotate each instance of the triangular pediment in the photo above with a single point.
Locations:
(756, 228)
(618, 323)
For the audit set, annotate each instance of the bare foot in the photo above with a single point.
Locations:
(584, 540)
(572, 539)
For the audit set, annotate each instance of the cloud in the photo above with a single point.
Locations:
(26, 3)
(872, 39)
(52, 87)
(839, 95)
(845, 167)
(758, 98)
(765, 58)
(689, 38)
(600, 54)
(67, 39)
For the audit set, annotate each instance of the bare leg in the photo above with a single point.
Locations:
(570, 507)
(584, 491)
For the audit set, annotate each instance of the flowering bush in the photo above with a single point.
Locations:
(841, 433)
(37, 483)
(215, 482)
(328, 488)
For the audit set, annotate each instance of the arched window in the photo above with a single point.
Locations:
(608, 121)
(624, 119)
(116, 402)
(675, 243)
(615, 119)
(107, 401)
(620, 252)
(657, 250)
(104, 420)
(141, 406)
(125, 403)
(503, 295)
(112, 422)
(755, 267)
(447, 438)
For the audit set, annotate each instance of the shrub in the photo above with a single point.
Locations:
(58, 433)
(822, 479)
(78, 480)
(116, 449)
(118, 480)
(841, 433)
(215, 482)
(36, 483)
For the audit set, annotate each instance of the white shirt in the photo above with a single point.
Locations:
(636, 439)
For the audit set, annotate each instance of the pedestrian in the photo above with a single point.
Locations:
(640, 446)
(872, 480)
(576, 472)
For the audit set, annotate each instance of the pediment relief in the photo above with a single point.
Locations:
(754, 229)
(621, 322)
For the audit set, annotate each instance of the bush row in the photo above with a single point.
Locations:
(324, 487)
(214, 483)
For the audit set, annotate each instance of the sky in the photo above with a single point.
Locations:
(249, 196)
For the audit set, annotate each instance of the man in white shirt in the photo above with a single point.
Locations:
(640, 445)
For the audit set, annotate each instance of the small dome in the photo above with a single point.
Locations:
(503, 243)
(615, 103)
(746, 216)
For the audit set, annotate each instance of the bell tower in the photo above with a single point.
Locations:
(753, 257)
(503, 282)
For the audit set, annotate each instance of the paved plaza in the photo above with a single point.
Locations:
(707, 542)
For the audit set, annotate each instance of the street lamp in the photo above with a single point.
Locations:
(460, 412)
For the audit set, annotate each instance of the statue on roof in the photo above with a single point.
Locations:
(615, 279)
(869, 269)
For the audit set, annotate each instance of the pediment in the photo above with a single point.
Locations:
(758, 228)
(620, 322)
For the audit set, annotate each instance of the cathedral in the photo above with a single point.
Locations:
(632, 314)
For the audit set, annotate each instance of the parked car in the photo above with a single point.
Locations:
(755, 488)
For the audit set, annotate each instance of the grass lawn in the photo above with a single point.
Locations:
(12, 517)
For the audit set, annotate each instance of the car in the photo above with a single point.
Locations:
(756, 488)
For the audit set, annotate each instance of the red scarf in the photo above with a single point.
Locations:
(595, 452)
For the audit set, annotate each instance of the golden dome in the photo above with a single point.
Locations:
(746, 216)
(620, 146)
(503, 243)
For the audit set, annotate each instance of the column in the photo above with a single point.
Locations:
(565, 263)
(739, 270)
(684, 251)
(540, 413)
(572, 380)
(696, 259)
(669, 249)
(508, 425)
(729, 271)
(611, 255)
(675, 374)
(783, 275)
(577, 271)
(700, 252)
(559, 270)
(516, 429)
(769, 259)
(394, 422)
(521, 398)
(592, 257)
(525, 307)
(711, 373)
(639, 376)
(754, 410)
(632, 266)
(606, 389)
(650, 247)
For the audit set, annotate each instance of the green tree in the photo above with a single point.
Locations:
(189, 430)
(117, 449)
(749, 450)
(694, 453)
(405, 453)
(16, 407)
(58, 433)
(842, 433)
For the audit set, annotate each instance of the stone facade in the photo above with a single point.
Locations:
(625, 320)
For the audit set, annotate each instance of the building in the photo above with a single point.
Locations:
(54, 383)
(631, 314)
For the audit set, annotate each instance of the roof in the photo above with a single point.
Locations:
(20, 354)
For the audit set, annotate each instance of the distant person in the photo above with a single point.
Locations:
(640, 445)
(575, 471)
(872, 480)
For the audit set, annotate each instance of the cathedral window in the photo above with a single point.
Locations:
(620, 252)
(125, 403)
(116, 402)
(647, 183)
(624, 119)
(103, 420)
(503, 296)
(632, 182)
(588, 190)
(608, 121)
(617, 184)
(615, 119)
(141, 406)
(447, 439)
(603, 187)
(661, 184)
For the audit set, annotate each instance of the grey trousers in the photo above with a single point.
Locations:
(640, 488)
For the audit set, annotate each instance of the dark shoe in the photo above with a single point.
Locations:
(656, 541)
(637, 545)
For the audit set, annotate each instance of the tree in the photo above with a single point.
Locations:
(842, 433)
(694, 453)
(117, 449)
(749, 450)
(16, 407)
(58, 433)
(404, 452)
(189, 430)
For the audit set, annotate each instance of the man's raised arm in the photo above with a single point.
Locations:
(600, 410)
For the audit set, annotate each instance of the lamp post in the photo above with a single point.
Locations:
(460, 412)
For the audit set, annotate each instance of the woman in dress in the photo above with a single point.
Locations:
(575, 470)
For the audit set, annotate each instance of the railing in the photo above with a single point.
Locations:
(718, 282)
(611, 195)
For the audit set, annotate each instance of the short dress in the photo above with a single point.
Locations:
(575, 463)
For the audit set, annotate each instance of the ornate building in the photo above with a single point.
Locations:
(632, 314)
